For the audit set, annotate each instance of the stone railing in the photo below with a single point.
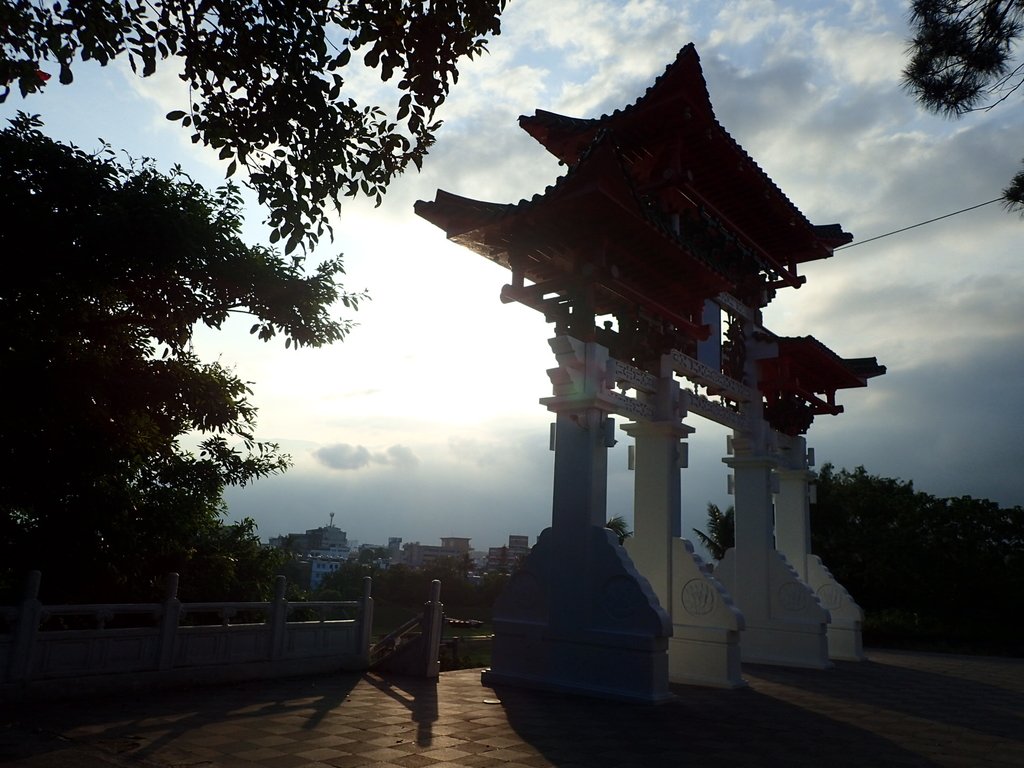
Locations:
(414, 648)
(60, 649)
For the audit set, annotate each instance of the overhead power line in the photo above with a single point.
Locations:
(919, 224)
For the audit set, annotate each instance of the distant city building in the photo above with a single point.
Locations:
(328, 540)
(504, 559)
(376, 554)
(416, 555)
(518, 544)
(321, 552)
(395, 548)
(321, 567)
(479, 558)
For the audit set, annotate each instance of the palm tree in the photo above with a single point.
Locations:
(617, 525)
(721, 533)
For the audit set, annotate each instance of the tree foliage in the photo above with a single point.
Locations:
(408, 588)
(721, 533)
(227, 562)
(965, 56)
(617, 525)
(949, 569)
(267, 81)
(112, 266)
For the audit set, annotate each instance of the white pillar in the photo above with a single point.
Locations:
(704, 648)
(577, 616)
(754, 533)
(793, 539)
(579, 503)
(793, 518)
(785, 624)
(657, 500)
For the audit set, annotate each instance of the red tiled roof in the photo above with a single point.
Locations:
(590, 226)
(806, 367)
(672, 130)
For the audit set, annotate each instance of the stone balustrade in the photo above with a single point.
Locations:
(67, 649)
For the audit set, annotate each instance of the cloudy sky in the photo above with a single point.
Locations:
(425, 422)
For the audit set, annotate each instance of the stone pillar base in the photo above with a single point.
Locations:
(845, 643)
(585, 666)
(607, 639)
(708, 657)
(844, 631)
(705, 644)
(786, 644)
(789, 627)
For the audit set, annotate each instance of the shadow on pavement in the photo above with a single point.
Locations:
(952, 698)
(419, 696)
(143, 722)
(703, 727)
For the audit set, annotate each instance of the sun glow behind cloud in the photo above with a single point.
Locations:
(820, 108)
(441, 369)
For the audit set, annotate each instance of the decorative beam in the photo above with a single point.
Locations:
(695, 370)
(701, 406)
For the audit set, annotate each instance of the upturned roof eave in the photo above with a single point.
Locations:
(566, 137)
(475, 223)
(813, 355)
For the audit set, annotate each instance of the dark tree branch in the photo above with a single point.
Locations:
(962, 52)
(264, 89)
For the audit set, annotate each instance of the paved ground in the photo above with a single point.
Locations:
(898, 709)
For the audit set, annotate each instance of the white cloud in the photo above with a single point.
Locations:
(745, 21)
(578, 29)
(871, 58)
(343, 456)
(400, 456)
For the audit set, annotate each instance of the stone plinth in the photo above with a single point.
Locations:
(844, 630)
(614, 646)
(789, 626)
(785, 624)
(706, 625)
(705, 645)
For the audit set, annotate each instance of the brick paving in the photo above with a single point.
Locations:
(898, 709)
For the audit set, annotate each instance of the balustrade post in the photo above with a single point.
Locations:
(433, 625)
(277, 618)
(25, 630)
(365, 622)
(169, 621)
